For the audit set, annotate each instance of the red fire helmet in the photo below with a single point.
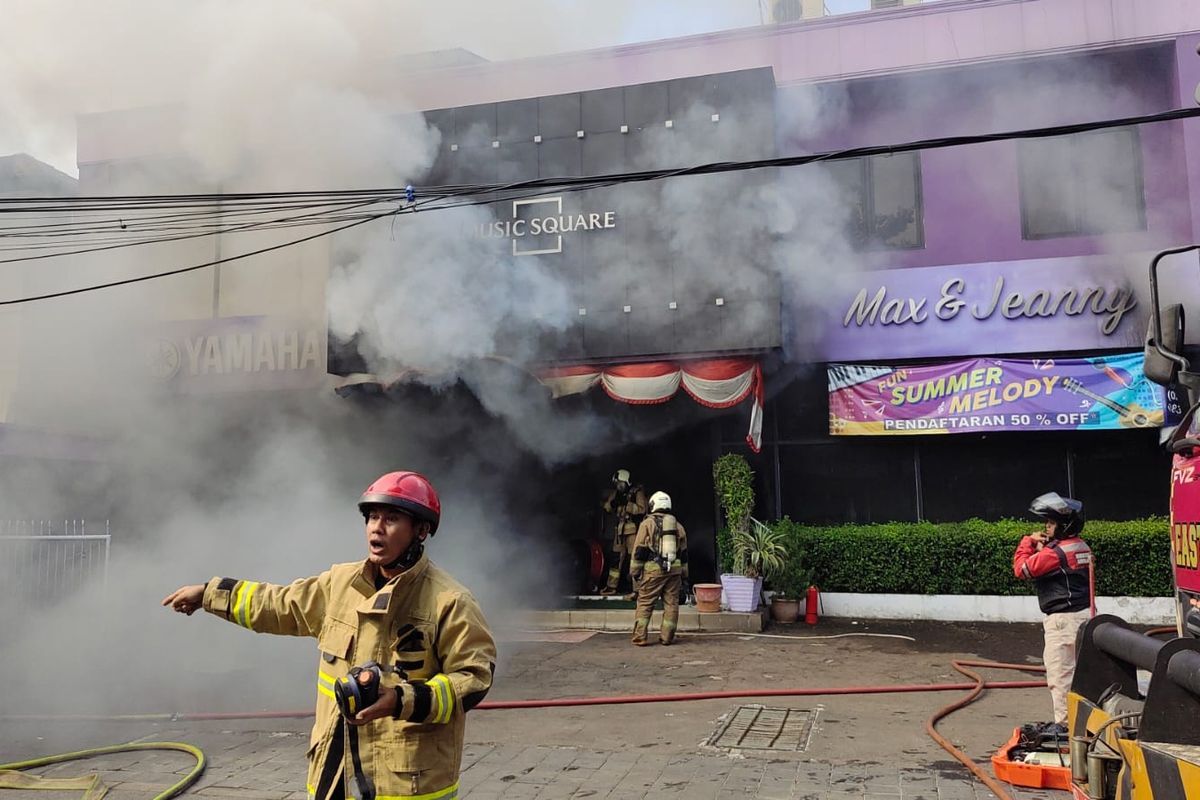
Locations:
(408, 491)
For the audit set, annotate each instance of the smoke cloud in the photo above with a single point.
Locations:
(228, 97)
(272, 96)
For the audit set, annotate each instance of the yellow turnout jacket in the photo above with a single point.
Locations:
(423, 624)
(647, 547)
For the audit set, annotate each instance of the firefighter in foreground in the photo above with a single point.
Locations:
(419, 634)
(628, 503)
(659, 567)
(1059, 563)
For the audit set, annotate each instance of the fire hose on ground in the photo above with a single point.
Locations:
(12, 777)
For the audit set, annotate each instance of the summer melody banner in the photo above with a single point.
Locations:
(992, 394)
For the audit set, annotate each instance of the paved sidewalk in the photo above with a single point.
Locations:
(269, 765)
(861, 747)
(558, 773)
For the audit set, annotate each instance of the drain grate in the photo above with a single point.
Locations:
(760, 728)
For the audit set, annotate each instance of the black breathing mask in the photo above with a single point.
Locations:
(358, 690)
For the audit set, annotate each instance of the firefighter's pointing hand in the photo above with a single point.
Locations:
(186, 599)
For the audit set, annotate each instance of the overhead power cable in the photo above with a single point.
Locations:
(435, 198)
(106, 239)
(192, 268)
(249, 226)
(863, 152)
(205, 221)
(228, 259)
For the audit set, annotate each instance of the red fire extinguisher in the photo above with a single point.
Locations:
(811, 600)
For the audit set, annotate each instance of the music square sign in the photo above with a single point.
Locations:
(541, 225)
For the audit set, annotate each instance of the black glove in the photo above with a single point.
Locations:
(685, 591)
(399, 709)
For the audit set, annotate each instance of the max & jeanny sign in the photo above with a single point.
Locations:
(980, 309)
(1108, 304)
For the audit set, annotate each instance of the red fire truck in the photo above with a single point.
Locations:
(1167, 365)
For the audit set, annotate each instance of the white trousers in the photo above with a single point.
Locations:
(1059, 656)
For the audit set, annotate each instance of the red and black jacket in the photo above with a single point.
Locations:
(1059, 571)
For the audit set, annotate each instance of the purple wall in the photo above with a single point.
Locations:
(971, 194)
(952, 32)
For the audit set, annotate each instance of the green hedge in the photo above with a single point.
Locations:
(971, 557)
(725, 548)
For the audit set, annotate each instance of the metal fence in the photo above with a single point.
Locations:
(42, 560)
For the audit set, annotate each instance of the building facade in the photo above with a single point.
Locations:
(1062, 215)
(796, 268)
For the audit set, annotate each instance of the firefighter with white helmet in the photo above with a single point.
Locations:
(404, 651)
(626, 503)
(660, 566)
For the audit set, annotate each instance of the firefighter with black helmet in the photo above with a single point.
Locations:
(404, 651)
(1059, 563)
(660, 567)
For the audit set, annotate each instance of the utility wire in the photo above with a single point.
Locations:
(446, 194)
(863, 152)
(327, 216)
(192, 268)
(183, 236)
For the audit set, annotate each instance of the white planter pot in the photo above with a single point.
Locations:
(741, 593)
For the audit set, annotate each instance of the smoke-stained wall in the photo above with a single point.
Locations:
(651, 268)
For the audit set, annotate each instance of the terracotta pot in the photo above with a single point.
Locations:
(785, 610)
(708, 597)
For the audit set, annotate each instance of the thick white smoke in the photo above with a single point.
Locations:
(234, 97)
(300, 95)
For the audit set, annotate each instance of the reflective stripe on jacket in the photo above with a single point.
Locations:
(1059, 571)
(646, 547)
(422, 623)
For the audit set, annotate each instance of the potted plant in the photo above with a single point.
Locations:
(733, 481)
(792, 584)
(757, 552)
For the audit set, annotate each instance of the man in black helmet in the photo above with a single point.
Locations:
(1059, 563)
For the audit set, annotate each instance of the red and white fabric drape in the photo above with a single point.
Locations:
(716, 383)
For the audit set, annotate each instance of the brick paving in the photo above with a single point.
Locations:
(256, 764)
(863, 748)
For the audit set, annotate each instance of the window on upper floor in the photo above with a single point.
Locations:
(882, 195)
(1086, 183)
